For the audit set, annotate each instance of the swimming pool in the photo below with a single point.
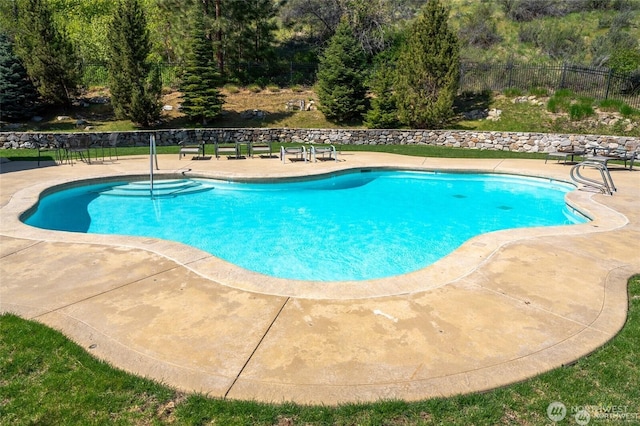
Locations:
(358, 225)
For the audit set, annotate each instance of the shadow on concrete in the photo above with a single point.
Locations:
(8, 166)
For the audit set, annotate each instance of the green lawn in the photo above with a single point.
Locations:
(415, 150)
(48, 380)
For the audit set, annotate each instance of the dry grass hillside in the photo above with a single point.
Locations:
(258, 108)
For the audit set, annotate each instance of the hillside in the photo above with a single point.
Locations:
(514, 111)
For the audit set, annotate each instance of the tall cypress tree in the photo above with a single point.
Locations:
(18, 97)
(201, 99)
(341, 76)
(428, 70)
(134, 81)
(47, 53)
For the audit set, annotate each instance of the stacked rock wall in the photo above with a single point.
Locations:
(502, 141)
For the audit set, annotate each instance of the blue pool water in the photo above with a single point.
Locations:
(355, 226)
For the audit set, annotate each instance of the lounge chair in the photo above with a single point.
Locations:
(264, 149)
(231, 150)
(297, 153)
(564, 153)
(327, 153)
(190, 148)
(604, 155)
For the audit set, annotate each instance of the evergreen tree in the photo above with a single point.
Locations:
(384, 112)
(250, 26)
(341, 76)
(18, 97)
(428, 70)
(46, 52)
(134, 81)
(201, 99)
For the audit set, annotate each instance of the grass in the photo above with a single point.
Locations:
(413, 150)
(516, 117)
(47, 379)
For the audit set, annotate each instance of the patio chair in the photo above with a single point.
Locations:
(296, 153)
(52, 147)
(78, 147)
(112, 145)
(326, 152)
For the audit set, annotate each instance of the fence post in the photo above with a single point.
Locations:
(606, 93)
(562, 77)
(510, 68)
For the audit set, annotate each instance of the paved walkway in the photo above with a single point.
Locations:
(504, 307)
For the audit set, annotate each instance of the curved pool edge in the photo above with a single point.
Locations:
(536, 303)
(453, 267)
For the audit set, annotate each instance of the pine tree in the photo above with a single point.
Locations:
(201, 99)
(47, 54)
(134, 82)
(428, 70)
(341, 76)
(384, 112)
(18, 97)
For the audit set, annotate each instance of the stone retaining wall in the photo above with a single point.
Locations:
(503, 141)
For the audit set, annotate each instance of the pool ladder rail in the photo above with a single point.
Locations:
(605, 185)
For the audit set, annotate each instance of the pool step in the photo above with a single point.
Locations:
(168, 187)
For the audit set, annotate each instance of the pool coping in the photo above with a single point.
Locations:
(451, 268)
(474, 268)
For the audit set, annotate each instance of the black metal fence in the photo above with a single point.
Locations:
(597, 83)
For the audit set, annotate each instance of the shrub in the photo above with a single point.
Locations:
(538, 91)
(563, 93)
(558, 104)
(231, 88)
(528, 10)
(610, 105)
(296, 88)
(479, 28)
(512, 92)
(529, 33)
(584, 100)
(579, 111)
(273, 88)
(254, 88)
(560, 41)
(628, 111)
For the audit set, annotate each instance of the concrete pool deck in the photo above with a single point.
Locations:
(504, 307)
